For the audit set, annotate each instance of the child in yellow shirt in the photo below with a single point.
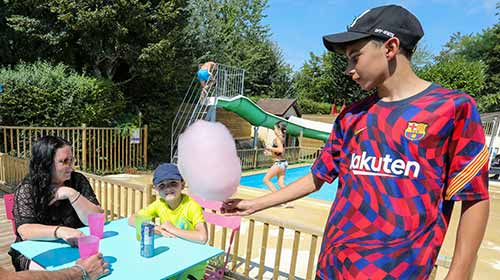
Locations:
(180, 216)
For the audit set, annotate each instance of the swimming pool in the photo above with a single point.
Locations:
(327, 192)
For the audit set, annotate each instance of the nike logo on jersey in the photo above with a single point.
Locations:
(358, 131)
(384, 166)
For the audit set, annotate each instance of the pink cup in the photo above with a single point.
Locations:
(96, 224)
(88, 246)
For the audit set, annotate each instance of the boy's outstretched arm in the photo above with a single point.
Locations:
(300, 188)
(470, 232)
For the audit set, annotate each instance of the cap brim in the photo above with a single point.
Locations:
(337, 42)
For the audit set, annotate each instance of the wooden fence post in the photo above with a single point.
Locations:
(145, 143)
(84, 148)
(255, 156)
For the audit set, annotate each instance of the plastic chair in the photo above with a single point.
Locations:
(8, 200)
(231, 222)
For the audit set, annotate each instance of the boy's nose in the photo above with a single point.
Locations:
(349, 71)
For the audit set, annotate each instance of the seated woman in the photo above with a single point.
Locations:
(53, 200)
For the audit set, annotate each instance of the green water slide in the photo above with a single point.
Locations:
(255, 115)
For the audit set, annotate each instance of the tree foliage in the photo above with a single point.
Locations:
(322, 80)
(45, 95)
(231, 32)
(111, 39)
(456, 72)
(149, 49)
(483, 47)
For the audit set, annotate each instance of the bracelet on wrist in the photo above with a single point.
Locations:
(55, 232)
(85, 275)
(77, 197)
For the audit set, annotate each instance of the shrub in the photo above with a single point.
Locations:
(42, 94)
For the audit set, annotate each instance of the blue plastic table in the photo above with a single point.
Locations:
(121, 250)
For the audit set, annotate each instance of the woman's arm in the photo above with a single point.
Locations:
(83, 207)
(44, 232)
(37, 232)
(199, 234)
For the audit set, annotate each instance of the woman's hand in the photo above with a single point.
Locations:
(62, 193)
(70, 235)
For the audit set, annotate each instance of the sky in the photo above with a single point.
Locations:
(297, 26)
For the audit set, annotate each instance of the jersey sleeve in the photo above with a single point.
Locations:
(468, 155)
(326, 166)
(195, 213)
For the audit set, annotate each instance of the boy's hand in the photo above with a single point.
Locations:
(167, 229)
(237, 207)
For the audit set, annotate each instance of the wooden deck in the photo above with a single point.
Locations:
(6, 238)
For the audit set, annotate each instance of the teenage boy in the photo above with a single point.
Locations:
(402, 156)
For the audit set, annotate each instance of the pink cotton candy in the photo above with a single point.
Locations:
(208, 160)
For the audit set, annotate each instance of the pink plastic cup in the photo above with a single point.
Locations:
(88, 246)
(96, 224)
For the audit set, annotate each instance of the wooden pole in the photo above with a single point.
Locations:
(84, 147)
(145, 143)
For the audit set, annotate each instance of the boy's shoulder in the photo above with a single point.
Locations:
(457, 97)
(189, 201)
(358, 106)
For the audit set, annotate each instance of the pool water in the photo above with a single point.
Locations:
(327, 192)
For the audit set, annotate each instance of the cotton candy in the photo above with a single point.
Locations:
(208, 160)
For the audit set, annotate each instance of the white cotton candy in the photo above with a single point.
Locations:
(208, 160)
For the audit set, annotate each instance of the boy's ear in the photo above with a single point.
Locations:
(392, 46)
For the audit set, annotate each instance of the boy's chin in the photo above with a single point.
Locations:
(169, 196)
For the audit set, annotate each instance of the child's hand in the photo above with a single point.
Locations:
(167, 229)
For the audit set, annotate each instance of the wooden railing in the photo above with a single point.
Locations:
(12, 169)
(118, 198)
(255, 158)
(94, 148)
(269, 245)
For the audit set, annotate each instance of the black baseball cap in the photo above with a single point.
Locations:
(382, 22)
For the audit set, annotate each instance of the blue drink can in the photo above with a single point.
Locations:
(147, 239)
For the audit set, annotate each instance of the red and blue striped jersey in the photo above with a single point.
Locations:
(399, 165)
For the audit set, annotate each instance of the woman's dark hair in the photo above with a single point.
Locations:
(40, 169)
(282, 126)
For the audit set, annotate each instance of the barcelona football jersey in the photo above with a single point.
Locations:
(399, 165)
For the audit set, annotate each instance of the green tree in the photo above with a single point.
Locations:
(322, 79)
(139, 45)
(46, 95)
(485, 47)
(111, 39)
(456, 72)
(231, 32)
